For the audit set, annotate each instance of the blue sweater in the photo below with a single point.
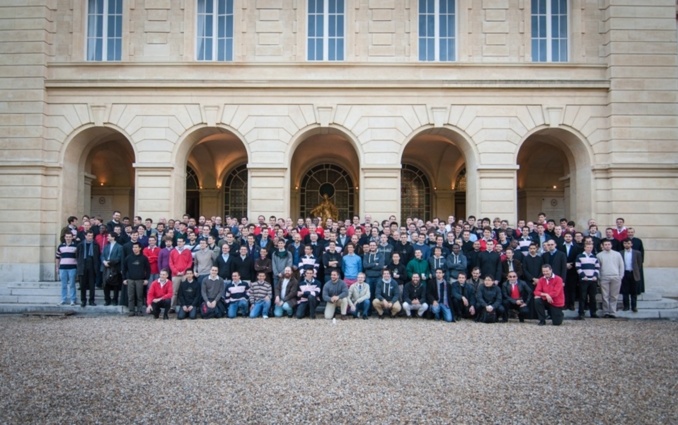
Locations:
(351, 265)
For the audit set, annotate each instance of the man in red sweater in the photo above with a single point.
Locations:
(549, 295)
(160, 295)
(180, 260)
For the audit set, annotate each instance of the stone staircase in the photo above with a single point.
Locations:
(23, 297)
(45, 297)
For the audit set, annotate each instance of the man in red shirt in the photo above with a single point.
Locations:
(160, 295)
(549, 295)
(181, 260)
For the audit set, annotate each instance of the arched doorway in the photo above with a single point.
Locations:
(330, 180)
(415, 193)
(235, 192)
(192, 192)
(209, 154)
(439, 154)
(98, 175)
(554, 177)
(325, 162)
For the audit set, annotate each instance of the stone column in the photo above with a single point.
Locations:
(497, 192)
(268, 192)
(87, 193)
(379, 192)
(160, 191)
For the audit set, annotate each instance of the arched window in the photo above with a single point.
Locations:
(235, 192)
(191, 179)
(330, 180)
(192, 192)
(415, 193)
(460, 183)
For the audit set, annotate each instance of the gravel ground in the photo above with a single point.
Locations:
(140, 370)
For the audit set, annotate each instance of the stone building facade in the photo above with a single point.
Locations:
(430, 107)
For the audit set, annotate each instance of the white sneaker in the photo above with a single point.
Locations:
(265, 317)
(72, 304)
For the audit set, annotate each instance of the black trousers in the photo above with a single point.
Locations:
(87, 281)
(587, 291)
(310, 305)
(571, 281)
(107, 294)
(213, 313)
(460, 310)
(162, 304)
(629, 287)
(523, 311)
(556, 313)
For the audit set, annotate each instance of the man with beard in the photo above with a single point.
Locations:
(285, 289)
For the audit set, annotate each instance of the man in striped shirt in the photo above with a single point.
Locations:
(236, 296)
(66, 255)
(260, 296)
(588, 269)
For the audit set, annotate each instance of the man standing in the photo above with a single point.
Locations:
(286, 289)
(516, 296)
(387, 295)
(439, 295)
(588, 269)
(637, 244)
(632, 265)
(260, 293)
(189, 297)
(611, 273)
(556, 259)
(571, 251)
(548, 295)
(335, 294)
(111, 261)
(414, 297)
(135, 273)
(489, 262)
(88, 257)
(359, 297)
(373, 265)
(160, 296)
(66, 256)
(456, 263)
(181, 260)
(203, 259)
(225, 262)
(280, 260)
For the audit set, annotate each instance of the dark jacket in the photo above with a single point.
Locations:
(373, 264)
(517, 267)
(225, 267)
(244, 266)
(466, 290)
(532, 268)
(290, 293)
(490, 264)
(388, 291)
(189, 293)
(136, 267)
(411, 292)
(80, 256)
(489, 296)
(524, 288)
(558, 262)
(432, 293)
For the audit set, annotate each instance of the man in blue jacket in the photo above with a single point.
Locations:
(387, 296)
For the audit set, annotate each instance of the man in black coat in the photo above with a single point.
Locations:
(571, 277)
(225, 262)
(517, 296)
(489, 262)
(556, 259)
(88, 257)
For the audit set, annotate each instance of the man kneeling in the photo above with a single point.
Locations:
(335, 294)
(260, 297)
(489, 301)
(359, 297)
(189, 297)
(517, 296)
(413, 295)
(549, 295)
(212, 292)
(160, 296)
(387, 296)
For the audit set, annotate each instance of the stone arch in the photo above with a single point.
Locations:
(211, 150)
(559, 159)
(446, 150)
(344, 151)
(90, 158)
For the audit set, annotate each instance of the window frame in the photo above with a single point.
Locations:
(105, 37)
(228, 37)
(326, 37)
(549, 38)
(437, 40)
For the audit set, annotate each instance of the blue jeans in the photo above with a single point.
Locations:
(67, 284)
(193, 314)
(447, 312)
(280, 309)
(234, 307)
(372, 282)
(362, 307)
(260, 308)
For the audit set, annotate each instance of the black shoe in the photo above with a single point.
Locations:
(365, 317)
(579, 318)
(165, 315)
(115, 303)
(381, 316)
(92, 303)
(83, 304)
(502, 320)
(635, 310)
(542, 323)
(626, 309)
(594, 316)
(521, 320)
(571, 308)
(131, 314)
(611, 316)
(607, 316)
(107, 303)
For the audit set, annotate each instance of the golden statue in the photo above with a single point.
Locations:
(326, 209)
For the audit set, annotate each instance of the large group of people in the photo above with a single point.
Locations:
(481, 270)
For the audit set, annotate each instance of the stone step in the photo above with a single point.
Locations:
(25, 308)
(36, 285)
(642, 314)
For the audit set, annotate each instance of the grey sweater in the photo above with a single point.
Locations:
(611, 264)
